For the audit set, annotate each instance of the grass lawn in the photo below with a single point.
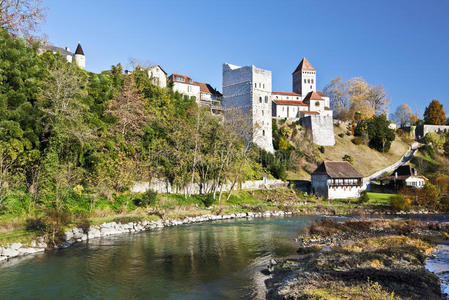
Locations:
(379, 198)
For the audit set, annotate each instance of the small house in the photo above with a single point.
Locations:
(405, 176)
(337, 180)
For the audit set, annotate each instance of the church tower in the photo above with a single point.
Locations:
(304, 78)
(80, 59)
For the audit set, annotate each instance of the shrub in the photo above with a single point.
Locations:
(148, 198)
(357, 141)
(427, 149)
(363, 197)
(348, 158)
(208, 199)
(444, 203)
(56, 220)
(322, 149)
(84, 224)
(428, 196)
(36, 224)
(400, 202)
(446, 148)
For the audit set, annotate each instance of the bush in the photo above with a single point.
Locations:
(208, 199)
(400, 202)
(147, 198)
(427, 150)
(363, 197)
(322, 149)
(348, 158)
(127, 219)
(84, 224)
(357, 141)
(36, 224)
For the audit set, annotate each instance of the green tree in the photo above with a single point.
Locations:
(379, 134)
(434, 114)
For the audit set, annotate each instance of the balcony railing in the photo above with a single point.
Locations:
(345, 182)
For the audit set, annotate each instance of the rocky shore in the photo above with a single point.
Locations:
(106, 229)
(356, 259)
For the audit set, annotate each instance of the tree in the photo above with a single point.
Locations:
(356, 95)
(128, 109)
(21, 16)
(446, 148)
(379, 134)
(434, 114)
(403, 115)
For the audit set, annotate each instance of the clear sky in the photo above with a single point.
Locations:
(401, 44)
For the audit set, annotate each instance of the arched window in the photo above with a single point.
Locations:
(262, 115)
(312, 80)
(263, 132)
(260, 99)
(305, 81)
(266, 99)
(255, 85)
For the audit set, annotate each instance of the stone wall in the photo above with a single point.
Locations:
(422, 130)
(321, 128)
(162, 186)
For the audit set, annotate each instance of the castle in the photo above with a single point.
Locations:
(78, 56)
(250, 88)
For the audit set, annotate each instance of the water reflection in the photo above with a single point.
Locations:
(207, 261)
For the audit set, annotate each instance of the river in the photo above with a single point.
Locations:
(217, 260)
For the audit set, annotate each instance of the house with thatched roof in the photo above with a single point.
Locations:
(337, 180)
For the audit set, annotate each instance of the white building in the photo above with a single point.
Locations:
(78, 57)
(157, 75)
(306, 104)
(203, 93)
(337, 180)
(250, 89)
(405, 176)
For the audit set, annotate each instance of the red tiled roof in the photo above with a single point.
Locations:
(312, 96)
(207, 88)
(322, 94)
(309, 112)
(327, 108)
(304, 65)
(289, 102)
(187, 79)
(286, 93)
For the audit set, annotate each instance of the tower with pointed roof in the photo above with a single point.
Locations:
(304, 78)
(80, 59)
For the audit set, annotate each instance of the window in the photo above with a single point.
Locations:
(260, 99)
(317, 103)
(255, 85)
(287, 98)
(262, 115)
(308, 80)
(305, 81)
(266, 99)
(276, 97)
(264, 85)
(263, 132)
(312, 80)
(260, 85)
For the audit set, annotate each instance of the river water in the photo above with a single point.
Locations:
(216, 260)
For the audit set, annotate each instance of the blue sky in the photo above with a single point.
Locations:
(403, 45)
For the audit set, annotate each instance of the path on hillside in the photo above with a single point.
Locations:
(404, 159)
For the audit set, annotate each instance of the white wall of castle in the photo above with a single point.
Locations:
(290, 112)
(80, 61)
(250, 89)
(304, 81)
